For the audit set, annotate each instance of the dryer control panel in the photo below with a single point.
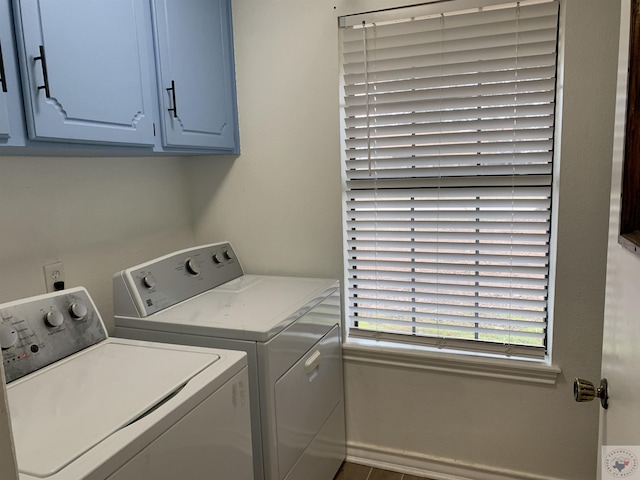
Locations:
(163, 282)
(38, 331)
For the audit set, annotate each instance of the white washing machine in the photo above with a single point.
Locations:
(290, 329)
(84, 406)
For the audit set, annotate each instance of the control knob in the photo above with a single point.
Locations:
(216, 259)
(8, 336)
(54, 318)
(227, 255)
(149, 281)
(78, 310)
(192, 266)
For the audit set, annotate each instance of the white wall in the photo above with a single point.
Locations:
(96, 215)
(279, 203)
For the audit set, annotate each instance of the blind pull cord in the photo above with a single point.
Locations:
(366, 94)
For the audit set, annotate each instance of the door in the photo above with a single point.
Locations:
(620, 423)
(305, 396)
(196, 73)
(86, 70)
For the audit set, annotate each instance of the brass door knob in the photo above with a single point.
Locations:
(585, 391)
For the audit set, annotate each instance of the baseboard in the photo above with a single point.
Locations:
(436, 468)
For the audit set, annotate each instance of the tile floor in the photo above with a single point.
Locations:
(354, 471)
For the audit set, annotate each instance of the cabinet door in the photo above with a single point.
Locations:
(196, 73)
(4, 110)
(5, 43)
(86, 70)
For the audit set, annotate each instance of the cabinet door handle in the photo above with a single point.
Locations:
(45, 75)
(172, 89)
(3, 80)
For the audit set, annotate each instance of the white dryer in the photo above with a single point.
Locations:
(84, 406)
(290, 329)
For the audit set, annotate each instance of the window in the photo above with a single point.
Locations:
(448, 159)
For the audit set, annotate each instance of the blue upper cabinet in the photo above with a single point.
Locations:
(9, 87)
(86, 69)
(196, 74)
(4, 108)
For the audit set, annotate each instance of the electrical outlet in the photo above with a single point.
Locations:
(53, 275)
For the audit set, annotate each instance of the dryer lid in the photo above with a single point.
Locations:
(251, 307)
(61, 412)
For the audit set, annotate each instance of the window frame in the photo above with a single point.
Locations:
(411, 346)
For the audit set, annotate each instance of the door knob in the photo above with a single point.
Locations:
(585, 391)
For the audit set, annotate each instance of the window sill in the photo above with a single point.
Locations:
(356, 350)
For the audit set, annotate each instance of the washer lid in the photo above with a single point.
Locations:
(64, 410)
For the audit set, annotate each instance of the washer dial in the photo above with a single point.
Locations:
(8, 336)
(54, 318)
(78, 310)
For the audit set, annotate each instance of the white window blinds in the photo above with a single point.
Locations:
(448, 136)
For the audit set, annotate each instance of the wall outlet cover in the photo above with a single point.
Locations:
(54, 276)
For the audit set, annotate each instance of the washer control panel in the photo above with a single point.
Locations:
(38, 331)
(166, 281)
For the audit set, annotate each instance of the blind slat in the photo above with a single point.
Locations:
(451, 104)
(523, 115)
(472, 67)
(455, 92)
(452, 58)
(499, 292)
(474, 124)
(482, 170)
(510, 79)
(447, 216)
(411, 224)
(453, 149)
(448, 319)
(518, 194)
(500, 159)
(451, 279)
(384, 246)
(451, 139)
(501, 237)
